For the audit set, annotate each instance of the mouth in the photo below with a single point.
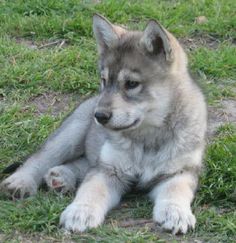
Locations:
(126, 127)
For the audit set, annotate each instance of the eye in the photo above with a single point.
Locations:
(103, 82)
(131, 84)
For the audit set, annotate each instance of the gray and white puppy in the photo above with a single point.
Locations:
(145, 129)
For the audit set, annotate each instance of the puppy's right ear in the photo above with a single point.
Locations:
(105, 33)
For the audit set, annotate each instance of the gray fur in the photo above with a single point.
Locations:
(154, 138)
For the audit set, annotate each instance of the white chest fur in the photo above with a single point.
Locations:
(130, 159)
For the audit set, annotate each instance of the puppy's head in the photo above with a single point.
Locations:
(134, 68)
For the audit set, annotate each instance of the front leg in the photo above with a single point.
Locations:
(172, 199)
(65, 144)
(99, 192)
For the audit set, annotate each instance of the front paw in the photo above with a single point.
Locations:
(174, 217)
(80, 217)
(19, 185)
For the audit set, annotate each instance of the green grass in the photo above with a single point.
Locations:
(217, 64)
(218, 183)
(72, 19)
(58, 69)
(28, 72)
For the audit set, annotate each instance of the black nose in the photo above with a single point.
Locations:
(103, 117)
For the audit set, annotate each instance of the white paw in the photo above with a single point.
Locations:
(79, 217)
(61, 179)
(19, 185)
(174, 217)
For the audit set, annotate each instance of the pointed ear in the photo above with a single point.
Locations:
(155, 40)
(105, 33)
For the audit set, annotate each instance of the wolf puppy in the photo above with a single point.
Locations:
(146, 128)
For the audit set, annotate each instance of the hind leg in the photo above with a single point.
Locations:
(64, 178)
(66, 143)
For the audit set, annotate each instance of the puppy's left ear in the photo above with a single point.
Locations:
(105, 32)
(155, 40)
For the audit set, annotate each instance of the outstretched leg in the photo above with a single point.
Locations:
(172, 200)
(99, 192)
(65, 144)
(64, 178)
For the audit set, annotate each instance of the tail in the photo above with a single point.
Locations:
(10, 169)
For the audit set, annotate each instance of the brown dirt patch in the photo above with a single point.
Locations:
(28, 43)
(217, 116)
(191, 43)
(61, 43)
(203, 40)
(52, 103)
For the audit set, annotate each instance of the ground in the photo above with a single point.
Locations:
(48, 65)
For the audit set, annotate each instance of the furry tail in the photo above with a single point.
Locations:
(10, 169)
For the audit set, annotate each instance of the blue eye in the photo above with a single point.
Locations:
(131, 84)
